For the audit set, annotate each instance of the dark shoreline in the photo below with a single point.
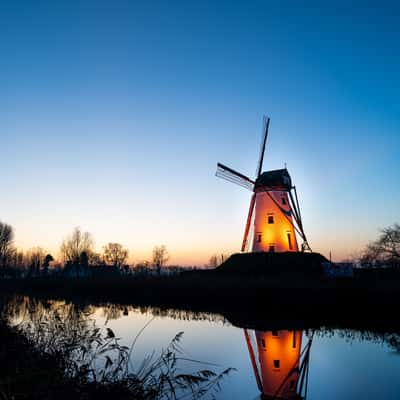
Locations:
(251, 290)
(245, 301)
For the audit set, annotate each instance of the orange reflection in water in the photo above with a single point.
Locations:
(280, 364)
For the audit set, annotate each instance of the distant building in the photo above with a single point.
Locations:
(338, 270)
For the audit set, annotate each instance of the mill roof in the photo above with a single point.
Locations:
(278, 178)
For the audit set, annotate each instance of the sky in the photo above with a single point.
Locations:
(113, 115)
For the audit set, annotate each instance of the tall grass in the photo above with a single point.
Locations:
(94, 363)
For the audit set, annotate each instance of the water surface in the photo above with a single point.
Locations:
(321, 364)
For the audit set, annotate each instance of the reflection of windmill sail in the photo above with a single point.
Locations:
(274, 216)
(280, 367)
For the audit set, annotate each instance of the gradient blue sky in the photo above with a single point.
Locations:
(113, 115)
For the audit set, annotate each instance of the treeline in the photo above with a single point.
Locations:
(77, 258)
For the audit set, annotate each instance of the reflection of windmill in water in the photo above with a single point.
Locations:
(277, 213)
(280, 365)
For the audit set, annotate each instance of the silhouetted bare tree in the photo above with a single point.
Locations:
(115, 254)
(75, 244)
(385, 250)
(160, 257)
(6, 244)
(213, 263)
(46, 263)
(18, 259)
(84, 260)
(34, 259)
(216, 260)
(95, 259)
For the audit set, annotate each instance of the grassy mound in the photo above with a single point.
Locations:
(273, 264)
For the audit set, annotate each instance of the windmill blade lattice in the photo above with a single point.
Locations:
(233, 176)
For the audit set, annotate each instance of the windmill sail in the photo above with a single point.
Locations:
(248, 222)
(233, 176)
(263, 144)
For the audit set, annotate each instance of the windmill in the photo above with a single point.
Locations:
(274, 212)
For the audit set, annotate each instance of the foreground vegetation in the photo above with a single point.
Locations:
(58, 352)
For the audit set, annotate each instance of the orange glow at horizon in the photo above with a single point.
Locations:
(179, 255)
(190, 238)
(181, 252)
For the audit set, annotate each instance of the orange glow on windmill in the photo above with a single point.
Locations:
(274, 216)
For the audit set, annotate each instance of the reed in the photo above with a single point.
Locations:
(61, 354)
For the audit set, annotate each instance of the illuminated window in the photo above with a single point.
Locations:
(270, 219)
(289, 238)
(283, 201)
(272, 249)
(277, 364)
(259, 238)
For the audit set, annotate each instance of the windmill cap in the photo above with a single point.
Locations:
(276, 179)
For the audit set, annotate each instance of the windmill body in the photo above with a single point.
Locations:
(273, 222)
(274, 213)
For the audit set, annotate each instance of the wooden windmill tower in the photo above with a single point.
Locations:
(274, 212)
(279, 363)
